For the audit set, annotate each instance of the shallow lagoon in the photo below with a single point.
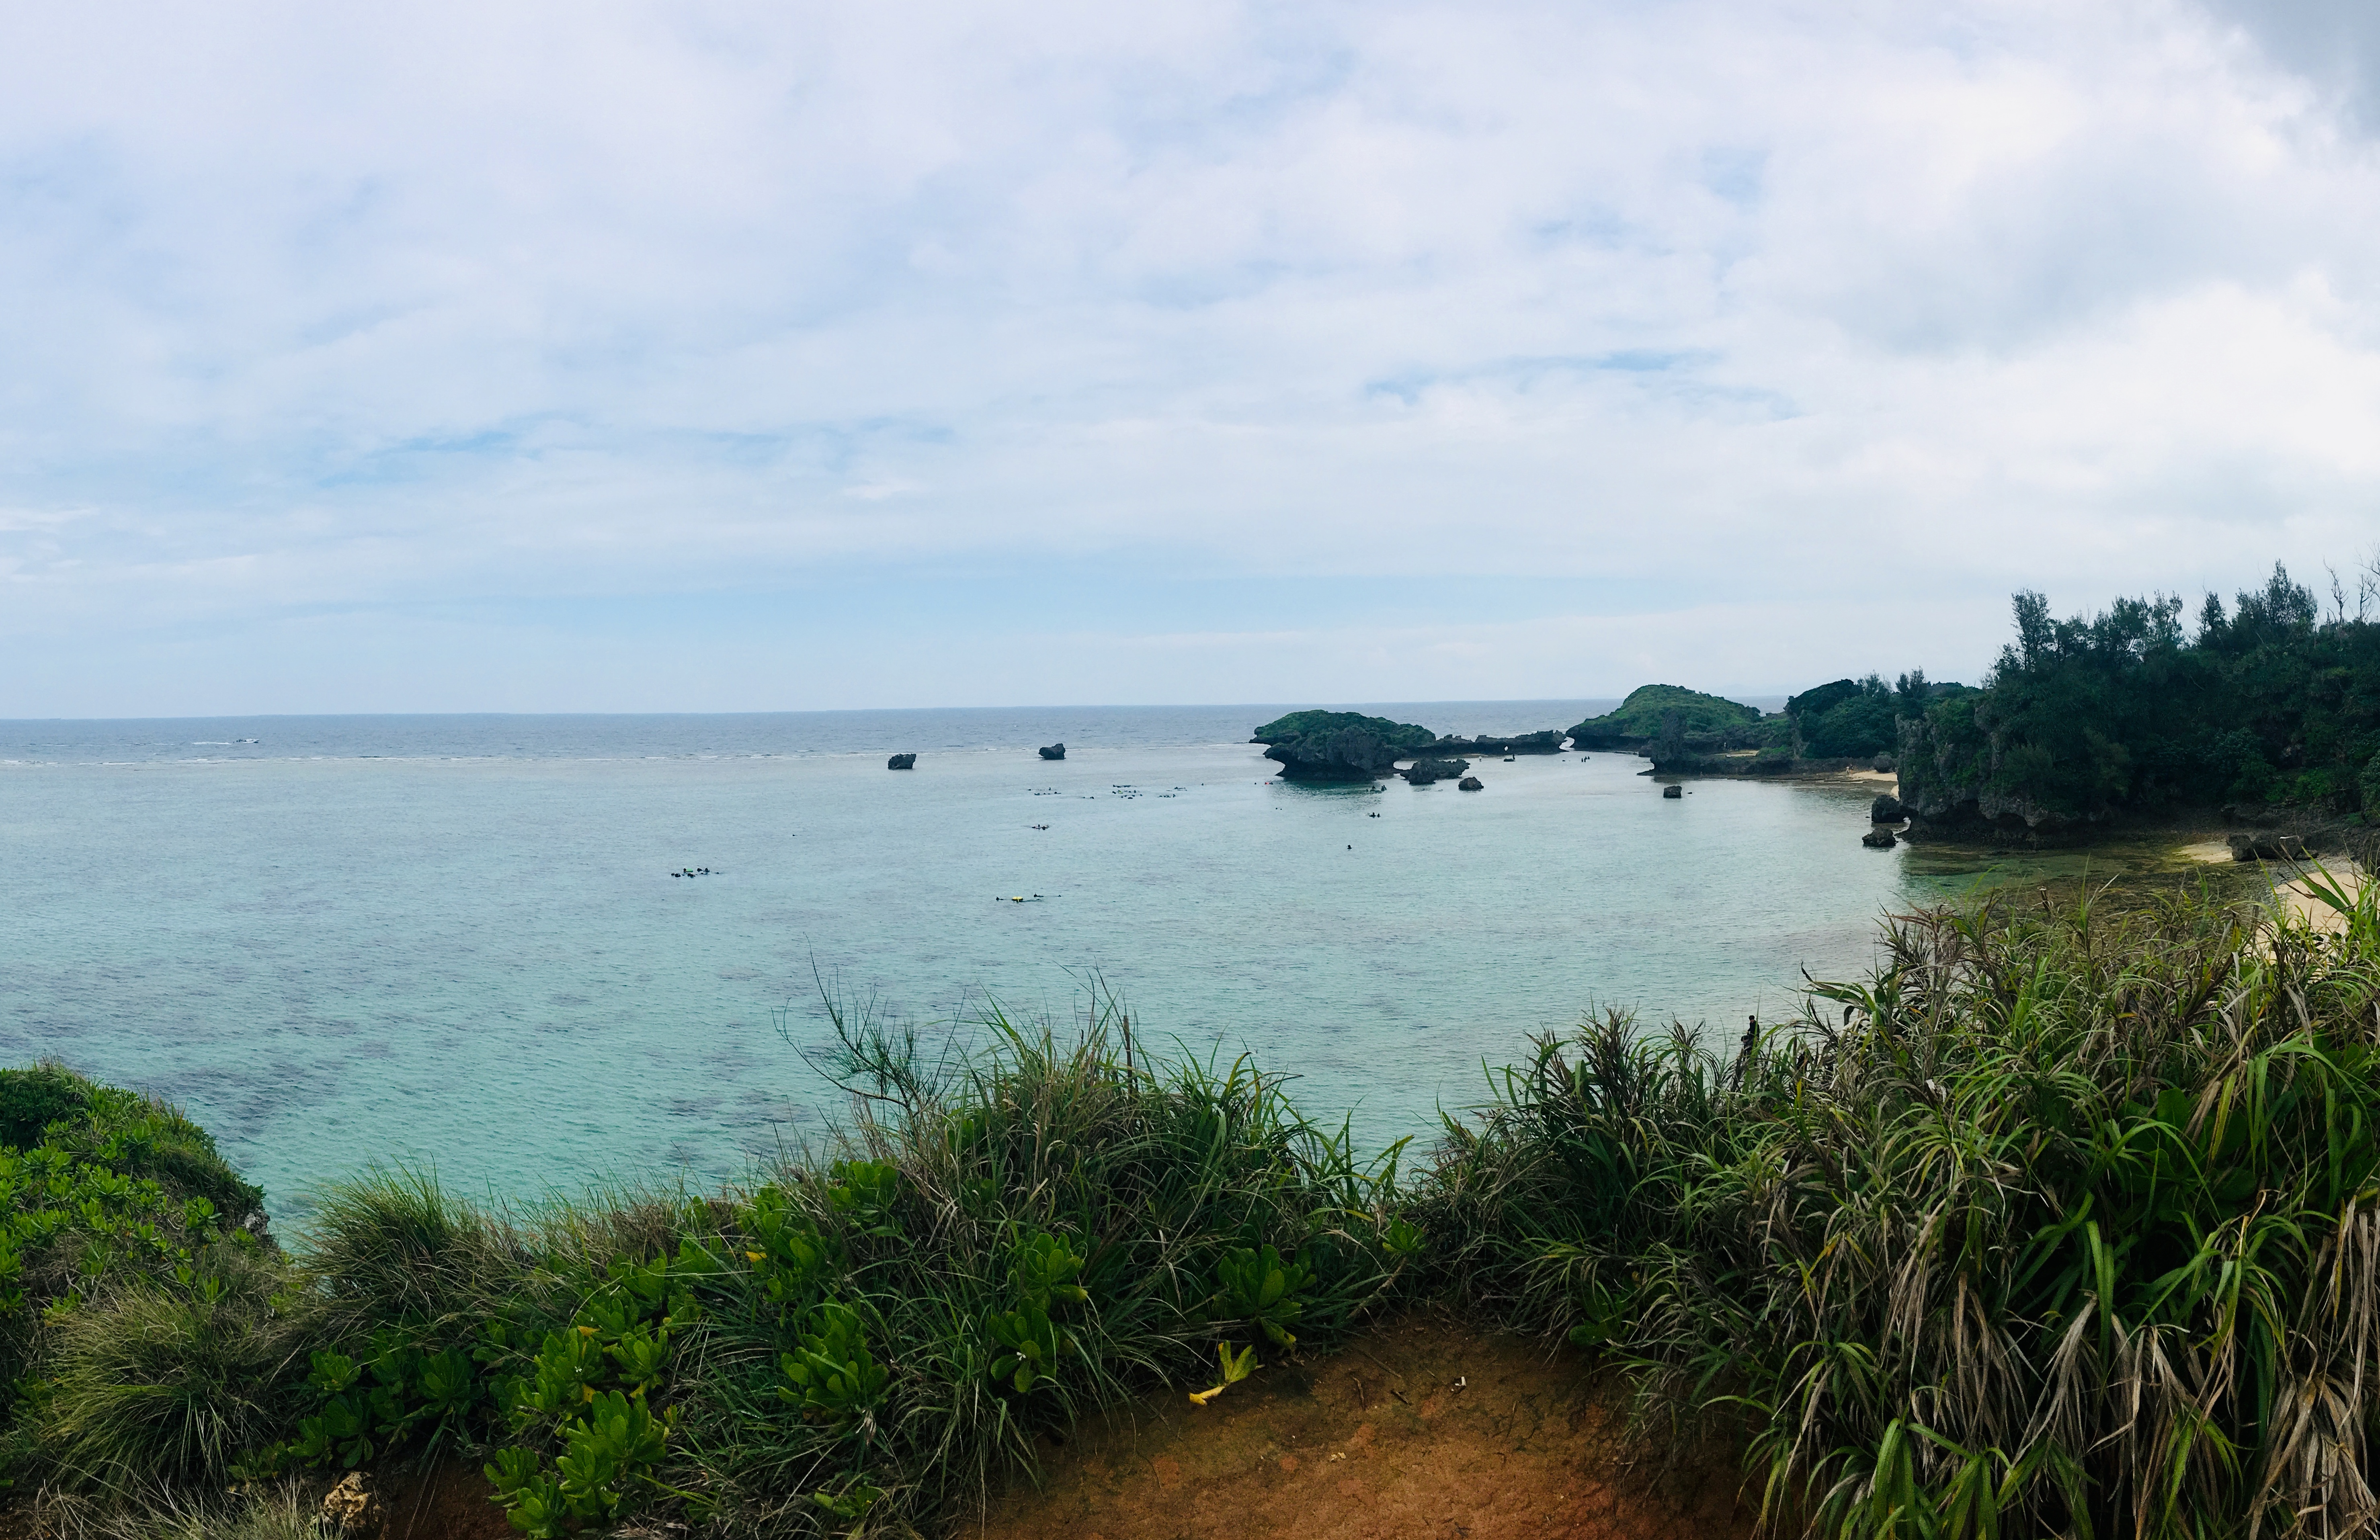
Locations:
(469, 952)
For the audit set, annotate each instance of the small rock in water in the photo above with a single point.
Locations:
(1879, 839)
(902, 761)
(1887, 809)
(1468, 783)
(1055, 751)
(1674, 791)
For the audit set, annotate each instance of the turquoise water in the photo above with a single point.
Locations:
(455, 939)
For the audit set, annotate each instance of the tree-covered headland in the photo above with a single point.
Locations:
(2271, 702)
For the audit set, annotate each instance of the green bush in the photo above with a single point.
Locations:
(2070, 1225)
(132, 1327)
(34, 1098)
(164, 1383)
(875, 1335)
(2065, 1220)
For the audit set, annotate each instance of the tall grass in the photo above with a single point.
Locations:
(1059, 1194)
(2063, 1221)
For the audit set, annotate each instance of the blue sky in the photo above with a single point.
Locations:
(694, 357)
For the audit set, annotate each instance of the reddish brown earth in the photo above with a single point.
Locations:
(1422, 1429)
(449, 1501)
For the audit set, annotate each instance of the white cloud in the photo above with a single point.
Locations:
(1833, 322)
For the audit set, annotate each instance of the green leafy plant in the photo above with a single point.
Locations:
(1236, 1367)
(792, 1262)
(864, 1195)
(530, 1494)
(1043, 1271)
(850, 1504)
(1028, 1345)
(1259, 1287)
(831, 1376)
(615, 1442)
(564, 1375)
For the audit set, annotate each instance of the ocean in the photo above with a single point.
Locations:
(457, 942)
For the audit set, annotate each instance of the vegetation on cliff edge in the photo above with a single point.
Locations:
(1647, 707)
(1318, 724)
(2061, 1221)
(2273, 701)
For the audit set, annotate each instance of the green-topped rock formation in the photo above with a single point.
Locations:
(1644, 715)
(1340, 746)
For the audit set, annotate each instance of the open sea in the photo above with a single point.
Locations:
(456, 940)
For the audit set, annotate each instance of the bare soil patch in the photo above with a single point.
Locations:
(1421, 1428)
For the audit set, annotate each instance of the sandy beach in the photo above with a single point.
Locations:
(2295, 894)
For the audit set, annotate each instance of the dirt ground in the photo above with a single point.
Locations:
(1421, 1428)
(451, 1501)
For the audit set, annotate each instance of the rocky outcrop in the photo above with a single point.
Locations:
(1349, 754)
(1887, 809)
(1674, 791)
(1426, 769)
(1340, 746)
(1055, 751)
(1879, 839)
(1948, 790)
(2266, 847)
(1646, 712)
(1468, 783)
(902, 761)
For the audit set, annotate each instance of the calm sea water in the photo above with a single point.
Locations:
(456, 940)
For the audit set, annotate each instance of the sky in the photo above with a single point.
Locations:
(715, 357)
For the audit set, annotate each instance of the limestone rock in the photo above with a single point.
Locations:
(2266, 847)
(1879, 839)
(351, 1508)
(1426, 770)
(1887, 809)
(1340, 746)
(1468, 783)
(902, 761)
(1674, 791)
(1055, 751)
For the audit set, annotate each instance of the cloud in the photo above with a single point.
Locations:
(1829, 322)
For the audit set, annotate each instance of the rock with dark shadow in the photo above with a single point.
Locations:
(1468, 783)
(1674, 791)
(1055, 751)
(902, 761)
(1887, 809)
(1879, 839)
(2266, 847)
(1424, 771)
(1340, 746)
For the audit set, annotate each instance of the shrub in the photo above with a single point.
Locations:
(156, 1384)
(31, 1099)
(2070, 1224)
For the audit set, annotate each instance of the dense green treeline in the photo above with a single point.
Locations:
(2130, 711)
